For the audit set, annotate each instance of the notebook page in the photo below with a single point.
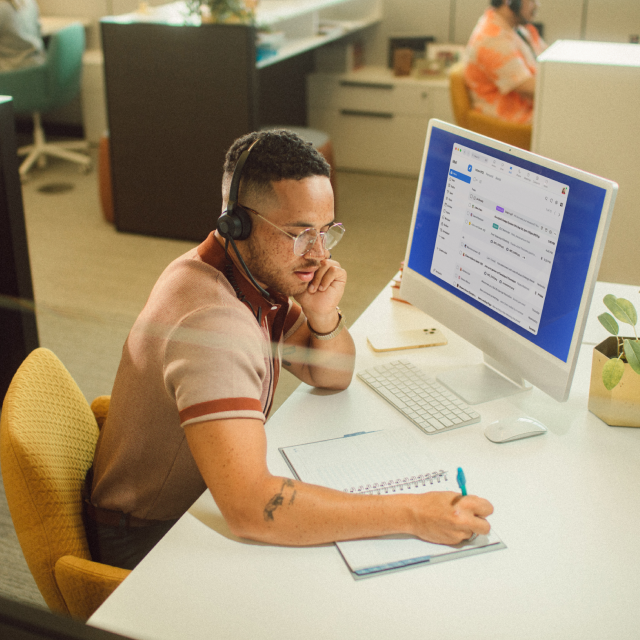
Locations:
(361, 462)
(354, 462)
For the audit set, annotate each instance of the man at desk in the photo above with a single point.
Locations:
(501, 60)
(200, 366)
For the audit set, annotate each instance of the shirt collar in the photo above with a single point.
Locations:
(212, 252)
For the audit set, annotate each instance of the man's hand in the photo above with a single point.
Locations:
(231, 455)
(445, 517)
(322, 363)
(323, 295)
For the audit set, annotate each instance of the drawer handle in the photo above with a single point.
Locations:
(366, 114)
(366, 85)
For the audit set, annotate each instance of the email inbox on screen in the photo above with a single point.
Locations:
(498, 233)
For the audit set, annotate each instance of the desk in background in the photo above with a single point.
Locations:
(179, 94)
(566, 506)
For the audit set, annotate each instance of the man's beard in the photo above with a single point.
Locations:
(267, 273)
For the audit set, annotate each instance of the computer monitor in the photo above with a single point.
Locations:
(504, 250)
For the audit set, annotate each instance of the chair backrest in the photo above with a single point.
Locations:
(64, 64)
(460, 101)
(512, 133)
(48, 436)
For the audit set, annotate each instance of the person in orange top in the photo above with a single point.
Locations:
(501, 60)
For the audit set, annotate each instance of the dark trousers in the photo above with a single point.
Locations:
(123, 546)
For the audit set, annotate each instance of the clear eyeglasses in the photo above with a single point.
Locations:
(306, 240)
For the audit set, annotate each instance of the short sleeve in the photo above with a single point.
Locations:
(217, 366)
(503, 65)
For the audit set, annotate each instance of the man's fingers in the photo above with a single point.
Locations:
(479, 506)
(481, 527)
(331, 275)
(328, 272)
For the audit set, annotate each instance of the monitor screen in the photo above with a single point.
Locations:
(504, 250)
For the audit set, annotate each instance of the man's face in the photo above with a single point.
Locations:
(528, 11)
(297, 205)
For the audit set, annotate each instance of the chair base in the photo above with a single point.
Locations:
(40, 149)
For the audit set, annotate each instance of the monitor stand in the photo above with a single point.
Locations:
(483, 382)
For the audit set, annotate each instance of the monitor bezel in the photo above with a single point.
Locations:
(501, 346)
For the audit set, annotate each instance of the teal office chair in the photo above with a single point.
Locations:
(43, 88)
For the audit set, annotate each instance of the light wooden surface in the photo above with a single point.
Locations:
(564, 507)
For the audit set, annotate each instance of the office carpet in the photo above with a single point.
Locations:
(90, 282)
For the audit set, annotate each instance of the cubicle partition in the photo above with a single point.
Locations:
(179, 93)
(18, 329)
(177, 97)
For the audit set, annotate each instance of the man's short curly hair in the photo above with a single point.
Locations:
(278, 155)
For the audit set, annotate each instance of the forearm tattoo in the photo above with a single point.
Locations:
(279, 499)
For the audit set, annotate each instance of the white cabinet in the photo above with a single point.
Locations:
(377, 122)
(586, 115)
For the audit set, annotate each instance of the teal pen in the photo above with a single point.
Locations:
(462, 483)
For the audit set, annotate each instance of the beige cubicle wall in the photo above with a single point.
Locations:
(446, 20)
(587, 116)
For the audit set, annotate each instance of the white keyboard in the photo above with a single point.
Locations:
(428, 404)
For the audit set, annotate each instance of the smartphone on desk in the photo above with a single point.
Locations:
(411, 339)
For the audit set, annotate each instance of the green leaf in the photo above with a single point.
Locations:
(629, 309)
(632, 351)
(621, 309)
(609, 323)
(612, 373)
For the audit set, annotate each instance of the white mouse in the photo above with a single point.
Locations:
(513, 428)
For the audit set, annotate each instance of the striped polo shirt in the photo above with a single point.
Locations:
(195, 353)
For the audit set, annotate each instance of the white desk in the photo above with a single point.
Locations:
(566, 504)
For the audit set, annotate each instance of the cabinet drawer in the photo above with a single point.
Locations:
(372, 142)
(384, 97)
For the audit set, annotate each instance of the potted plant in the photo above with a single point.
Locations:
(614, 393)
(224, 11)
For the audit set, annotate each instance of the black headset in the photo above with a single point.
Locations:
(514, 5)
(235, 222)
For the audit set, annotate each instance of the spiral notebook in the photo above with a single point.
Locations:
(382, 462)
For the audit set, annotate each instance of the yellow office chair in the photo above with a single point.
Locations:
(518, 135)
(48, 436)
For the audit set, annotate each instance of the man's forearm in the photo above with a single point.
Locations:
(231, 455)
(321, 363)
(298, 514)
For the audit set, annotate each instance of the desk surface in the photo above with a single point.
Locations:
(565, 505)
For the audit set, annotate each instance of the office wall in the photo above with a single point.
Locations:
(446, 20)
(612, 20)
(453, 21)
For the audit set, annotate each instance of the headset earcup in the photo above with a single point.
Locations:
(245, 222)
(235, 225)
